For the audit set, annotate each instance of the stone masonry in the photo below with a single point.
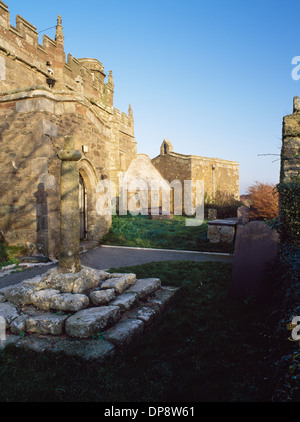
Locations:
(43, 97)
(91, 314)
(290, 151)
(218, 175)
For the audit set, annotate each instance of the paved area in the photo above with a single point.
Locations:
(106, 257)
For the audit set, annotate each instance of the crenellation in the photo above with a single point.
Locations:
(27, 30)
(20, 43)
(4, 15)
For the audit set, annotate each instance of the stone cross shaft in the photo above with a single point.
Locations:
(69, 261)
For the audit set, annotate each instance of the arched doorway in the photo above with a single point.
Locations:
(82, 208)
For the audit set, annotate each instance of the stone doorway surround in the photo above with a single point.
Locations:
(82, 208)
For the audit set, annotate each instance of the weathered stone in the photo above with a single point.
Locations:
(18, 325)
(31, 310)
(8, 311)
(163, 296)
(21, 294)
(217, 174)
(221, 231)
(119, 282)
(212, 214)
(43, 298)
(35, 342)
(4, 290)
(88, 322)
(102, 297)
(48, 323)
(243, 215)
(145, 313)
(144, 287)
(69, 261)
(69, 302)
(85, 349)
(124, 331)
(125, 301)
(64, 282)
(87, 281)
(36, 282)
(130, 277)
(103, 275)
(10, 339)
(2, 328)
(83, 281)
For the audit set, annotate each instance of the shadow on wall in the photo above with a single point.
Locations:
(42, 241)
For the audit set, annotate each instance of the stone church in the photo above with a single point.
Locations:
(44, 96)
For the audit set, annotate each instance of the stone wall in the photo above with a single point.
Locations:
(43, 97)
(224, 178)
(32, 130)
(290, 151)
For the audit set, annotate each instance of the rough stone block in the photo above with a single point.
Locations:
(87, 281)
(48, 128)
(26, 106)
(145, 313)
(21, 293)
(43, 298)
(102, 297)
(125, 301)
(144, 287)
(89, 322)
(2, 69)
(69, 302)
(11, 339)
(18, 325)
(163, 296)
(124, 331)
(103, 275)
(44, 104)
(8, 311)
(34, 342)
(48, 323)
(119, 282)
(85, 349)
(58, 281)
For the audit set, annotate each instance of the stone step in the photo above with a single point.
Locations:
(119, 282)
(88, 322)
(144, 287)
(119, 309)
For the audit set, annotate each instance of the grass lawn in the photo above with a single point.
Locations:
(141, 231)
(9, 254)
(205, 347)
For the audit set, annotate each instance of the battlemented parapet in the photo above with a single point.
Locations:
(24, 62)
(45, 96)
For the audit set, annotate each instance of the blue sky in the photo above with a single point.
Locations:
(214, 77)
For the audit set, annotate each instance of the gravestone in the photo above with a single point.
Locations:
(254, 256)
(243, 215)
